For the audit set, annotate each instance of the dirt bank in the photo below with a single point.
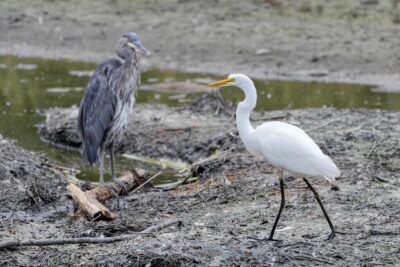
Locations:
(338, 41)
(28, 180)
(222, 217)
(347, 41)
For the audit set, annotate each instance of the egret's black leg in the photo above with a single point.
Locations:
(316, 195)
(271, 235)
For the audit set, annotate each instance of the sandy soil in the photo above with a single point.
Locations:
(348, 41)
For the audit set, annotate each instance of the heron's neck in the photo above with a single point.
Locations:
(131, 63)
(243, 113)
(130, 77)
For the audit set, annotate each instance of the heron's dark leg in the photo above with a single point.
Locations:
(316, 195)
(120, 183)
(271, 235)
(112, 161)
(101, 180)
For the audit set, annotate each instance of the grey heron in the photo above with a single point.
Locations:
(283, 145)
(108, 100)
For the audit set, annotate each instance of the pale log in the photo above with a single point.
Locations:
(89, 202)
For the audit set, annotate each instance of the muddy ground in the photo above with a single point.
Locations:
(222, 217)
(237, 199)
(349, 41)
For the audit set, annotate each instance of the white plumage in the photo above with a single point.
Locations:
(283, 145)
(289, 147)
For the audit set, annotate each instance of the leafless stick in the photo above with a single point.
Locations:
(86, 240)
(319, 127)
(160, 226)
(148, 181)
(289, 259)
(379, 232)
(302, 257)
(215, 227)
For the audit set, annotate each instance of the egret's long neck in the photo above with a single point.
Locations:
(243, 112)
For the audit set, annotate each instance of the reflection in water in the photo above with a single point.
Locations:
(273, 95)
(27, 85)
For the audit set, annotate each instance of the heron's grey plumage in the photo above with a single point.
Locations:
(107, 104)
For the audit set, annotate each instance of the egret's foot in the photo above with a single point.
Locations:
(331, 236)
(335, 232)
(274, 240)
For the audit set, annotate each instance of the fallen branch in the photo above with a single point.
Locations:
(158, 227)
(148, 181)
(89, 201)
(380, 232)
(89, 204)
(163, 163)
(319, 126)
(83, 240)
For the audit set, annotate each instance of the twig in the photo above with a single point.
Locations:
(147, 181)
(379, 232)
(211, 158)
(83, 240)
(216, 227)
(217, 157)
(303, 256)
(319, 127)
(268, 118)
(289, 259)
(160, 226)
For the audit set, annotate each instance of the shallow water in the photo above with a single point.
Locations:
(29, 84)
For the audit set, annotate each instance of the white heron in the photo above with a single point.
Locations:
(283, 145)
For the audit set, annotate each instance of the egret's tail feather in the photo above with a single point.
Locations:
(329, 170)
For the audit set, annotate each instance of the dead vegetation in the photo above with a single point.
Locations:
(220, 218)
(223, 216)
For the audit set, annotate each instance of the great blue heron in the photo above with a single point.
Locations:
(107, 103)
(283, 145)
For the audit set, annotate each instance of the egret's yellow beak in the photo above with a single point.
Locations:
(221, 82)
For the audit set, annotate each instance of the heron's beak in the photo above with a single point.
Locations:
(138, 45)
(221, 82)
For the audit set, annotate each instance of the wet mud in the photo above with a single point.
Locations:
(236, 201)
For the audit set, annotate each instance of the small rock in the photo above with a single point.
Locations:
(152, 80)
(23, 66)
(263, 51)
(335, 187)
(369, 2)
(81, 73)
(319, 73)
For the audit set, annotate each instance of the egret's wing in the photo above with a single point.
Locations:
(290, 148)
(96, 110)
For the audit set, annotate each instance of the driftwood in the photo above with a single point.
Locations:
(89, 202)
(84, 240)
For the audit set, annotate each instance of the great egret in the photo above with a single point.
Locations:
(107, 104)
(283, 145)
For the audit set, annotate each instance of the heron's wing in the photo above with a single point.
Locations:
(290, 148)
(96, 110)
